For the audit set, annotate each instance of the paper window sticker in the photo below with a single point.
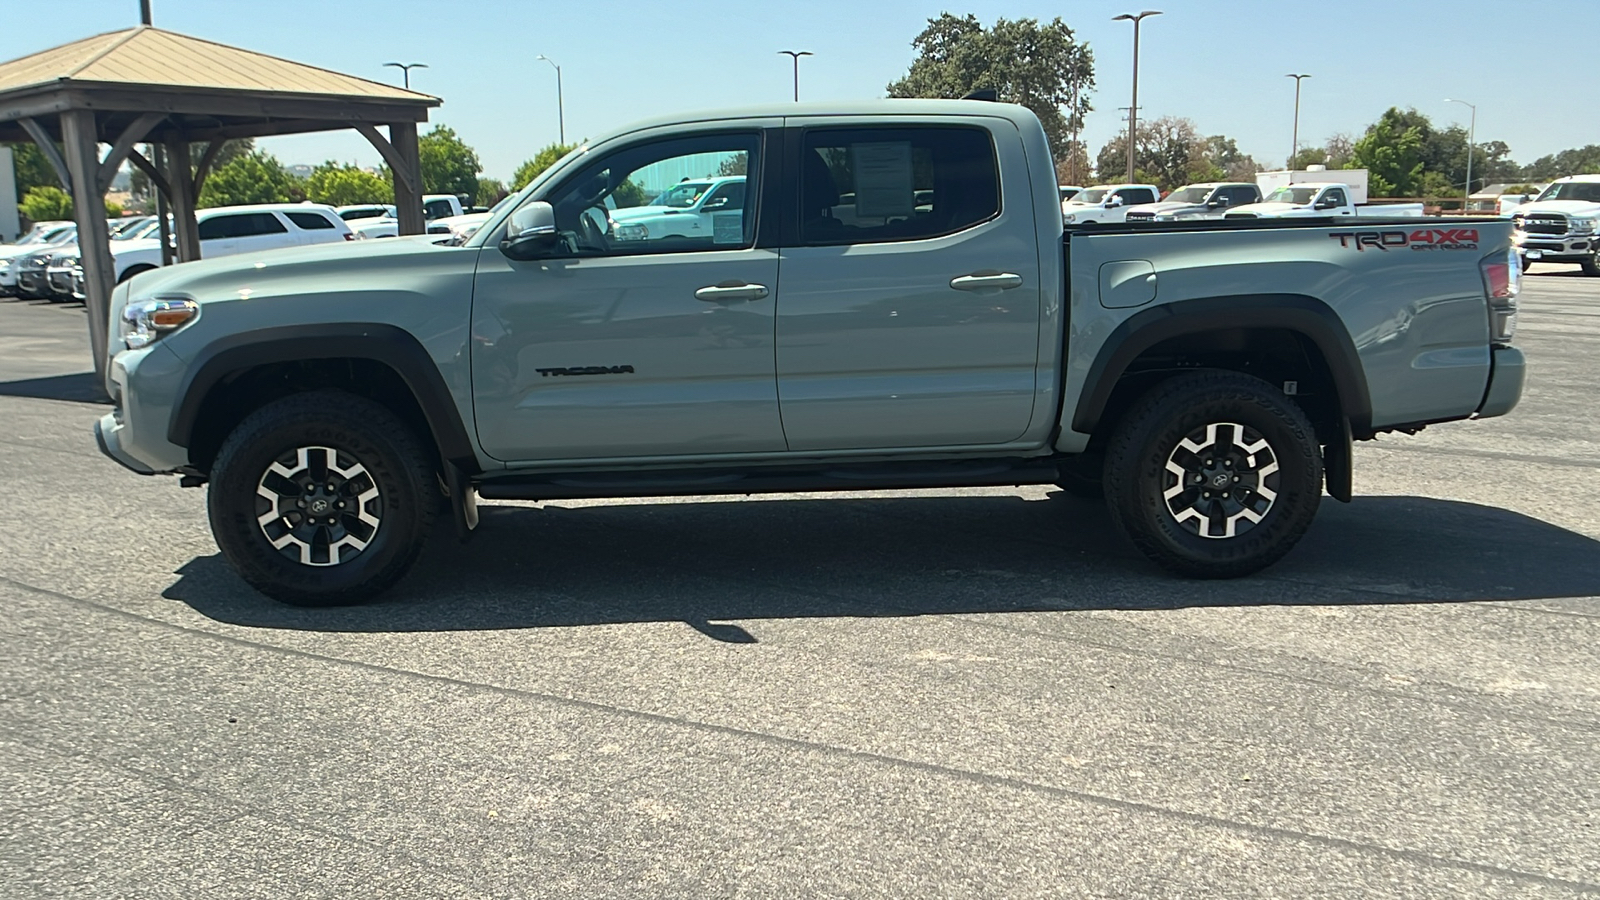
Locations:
(883, 179)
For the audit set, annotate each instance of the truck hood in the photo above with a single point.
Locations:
(243, 274)
(1165, 206)
(1564, 207)
(13, 251)
(635, 213)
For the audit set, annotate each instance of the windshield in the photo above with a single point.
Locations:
(1189, 195)
(1586, 191)
(365, 212)
(1299, 196)
(142, 230)
(682, 195)
(1091, 196)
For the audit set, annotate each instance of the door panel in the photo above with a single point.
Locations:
(876, 347)
(616, 349)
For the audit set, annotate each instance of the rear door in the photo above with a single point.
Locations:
(243, 232)
(315, 227)
(911, 296)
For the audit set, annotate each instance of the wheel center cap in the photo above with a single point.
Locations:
(1221, 479)
(319, 506)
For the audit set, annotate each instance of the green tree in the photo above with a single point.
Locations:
(1393, 153)
(256, 177)
(33, 170)
(46, 204)
(346, 185)
(490, 191)
(1041, 67)
(449, 166)
(1578, 161)
(1171, 152)
(535, 167)
(1310, 156)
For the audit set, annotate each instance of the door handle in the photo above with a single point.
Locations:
(986, 281)
(731, 290)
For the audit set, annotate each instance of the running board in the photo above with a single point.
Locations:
(776, 480)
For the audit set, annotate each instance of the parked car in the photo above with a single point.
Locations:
(43, 234)
(1316, 200)
(227, 230)
(1107, 203)
(1561, 226)
(435, 208)
(947, 335)
(58, 273)
(365, 211)
(1197, 201)
(1068, 191)
(32, 280)
(691, 208)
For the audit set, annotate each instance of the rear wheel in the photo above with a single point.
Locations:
(1591, 266)
(322, 499)
(1214, 475)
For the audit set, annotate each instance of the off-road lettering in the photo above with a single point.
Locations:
(586, 370)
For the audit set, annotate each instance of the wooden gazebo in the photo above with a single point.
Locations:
(147, 85)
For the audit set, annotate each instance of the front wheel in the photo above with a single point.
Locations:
(1214, 474)
(1591, 266)
(321, 499)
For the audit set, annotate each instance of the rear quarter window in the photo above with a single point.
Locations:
(311, 221)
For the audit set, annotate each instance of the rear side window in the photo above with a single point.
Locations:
(862, 185)
(309, 220)
(240, 225)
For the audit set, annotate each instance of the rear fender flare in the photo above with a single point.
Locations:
(1292, 312)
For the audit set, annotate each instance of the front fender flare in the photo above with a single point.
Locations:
(387, 344)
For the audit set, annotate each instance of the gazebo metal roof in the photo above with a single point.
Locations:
(149, 85)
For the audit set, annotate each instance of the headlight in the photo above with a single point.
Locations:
(629, 232)
(1582, 226)
(146, 321)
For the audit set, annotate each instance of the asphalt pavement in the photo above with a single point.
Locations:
(962, 693)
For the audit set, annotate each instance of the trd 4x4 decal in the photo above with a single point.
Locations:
(1419, 239)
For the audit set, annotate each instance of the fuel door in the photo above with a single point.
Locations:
(1127, 282)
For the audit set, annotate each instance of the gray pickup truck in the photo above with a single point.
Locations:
(891, 302)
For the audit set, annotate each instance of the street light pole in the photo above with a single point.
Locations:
(1294, 150)
(406, 68)
(1133, 109)
(1472, 135)
(796, 54)
(561, 105)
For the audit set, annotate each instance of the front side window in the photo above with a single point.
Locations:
(437, 209)
(871, 185)
(1242, 196)
(1334, 197)
(1586, 191)
(676, 195)
(1135, 196)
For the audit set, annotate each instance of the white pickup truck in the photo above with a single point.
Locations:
(1318, 199)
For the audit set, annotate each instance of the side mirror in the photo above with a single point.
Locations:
(1216, 202)
(718, 203)
(1114, 201)
(531, 233)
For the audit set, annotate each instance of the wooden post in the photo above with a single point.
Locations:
(180, 176)
(79, 135)
(408, 186)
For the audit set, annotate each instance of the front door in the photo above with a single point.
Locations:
(630, 344)
(911, 299)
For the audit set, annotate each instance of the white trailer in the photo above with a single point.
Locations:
(1355, 178)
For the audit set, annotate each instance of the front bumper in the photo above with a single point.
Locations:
(144, 384)
(1570, 247)
(1508, 370)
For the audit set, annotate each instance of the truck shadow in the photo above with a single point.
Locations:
(718, 561)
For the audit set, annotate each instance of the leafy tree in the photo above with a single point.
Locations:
(490, 191)
(1310, 156)
(46, 203)
(1578, 161)
(1171, 152)
(256, 177)
(346, 185)
(1392, 151)
(734, 165)
(535, 167)
(1041, 67)
(629, 193)
(33, 170)
(449, 166)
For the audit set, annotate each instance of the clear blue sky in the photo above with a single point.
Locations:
(1218, 62)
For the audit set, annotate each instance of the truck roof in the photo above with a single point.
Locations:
(1020, 115)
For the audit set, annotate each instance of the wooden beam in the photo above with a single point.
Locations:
(124, 145)
(397, 163)
(50, 150)
(180, 176)
(94, 240)
(200, 102)
(407, 178)
(149, 168)
(204, 167)
(263, 128)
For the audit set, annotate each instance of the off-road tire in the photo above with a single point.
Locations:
(357, 429)
(1150, 436)
(1591, 266)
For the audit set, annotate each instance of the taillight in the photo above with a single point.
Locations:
(1502, 279)
(349, 235)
